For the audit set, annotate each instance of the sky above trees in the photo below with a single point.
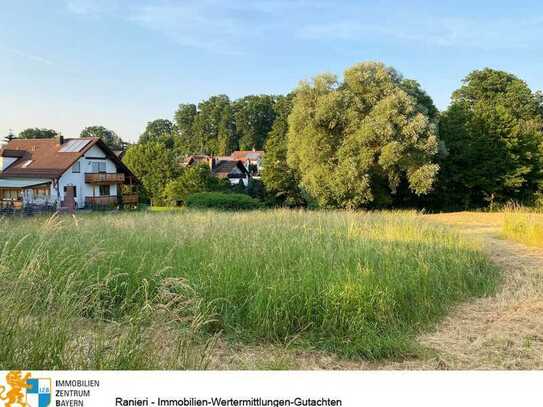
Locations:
(70, 64)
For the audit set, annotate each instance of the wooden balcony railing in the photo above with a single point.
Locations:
(104, 178)
(130, 199)
(101, 201)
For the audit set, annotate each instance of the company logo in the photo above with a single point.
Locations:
(25, 391)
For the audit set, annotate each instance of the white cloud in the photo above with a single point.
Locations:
(503, 33)
(28, 56)
(198, 24)
(212, 25)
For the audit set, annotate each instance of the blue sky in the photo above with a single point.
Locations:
(120, 63)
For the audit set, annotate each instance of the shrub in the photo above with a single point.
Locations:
(218, 200)
(193, 179)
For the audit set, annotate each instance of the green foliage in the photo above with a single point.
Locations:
(154, 165)
(109, 137)
(353, 143)
(280, 180)
(218, 126)
(256, 189)
(187, 142)
(213, 127)
(37, 133)
(160, 130)
(130, 290)
(219, 200)
(254, 118)
(493, 132)
(196, 178)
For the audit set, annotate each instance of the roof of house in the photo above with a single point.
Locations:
(48, 158)
(223, 168)
(191, 159)
(247, 155)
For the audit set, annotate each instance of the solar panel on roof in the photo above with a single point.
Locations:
(74, 146)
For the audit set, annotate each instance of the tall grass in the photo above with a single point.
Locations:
(523, 225)
(152, 290)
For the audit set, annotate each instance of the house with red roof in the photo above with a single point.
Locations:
(79, 173)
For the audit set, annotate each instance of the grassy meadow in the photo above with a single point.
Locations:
(523, 226)
(156, 290)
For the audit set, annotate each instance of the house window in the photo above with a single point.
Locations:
(75, 191)
(11, 194)
(77, 167)
(41, 193)
(104, 190)
(98, 166)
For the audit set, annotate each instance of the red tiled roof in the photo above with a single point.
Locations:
(247, 155)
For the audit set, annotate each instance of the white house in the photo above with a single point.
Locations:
(251, 159)
(221, 167)
(233, 170)
(41, 171)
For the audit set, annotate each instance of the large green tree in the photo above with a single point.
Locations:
(214, 126)
(159, 130)
(109, 137)
(184, 120)
(36, 133)
(280, 180)
(354, 142)
(154, 164)
(493, 132)
(254, 118)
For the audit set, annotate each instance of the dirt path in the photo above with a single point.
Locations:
(504, 331)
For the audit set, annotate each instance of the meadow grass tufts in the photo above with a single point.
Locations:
(153, 290)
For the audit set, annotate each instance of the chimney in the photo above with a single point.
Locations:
(60, 139)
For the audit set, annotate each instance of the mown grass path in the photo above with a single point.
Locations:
(500, 332)
(504, 331)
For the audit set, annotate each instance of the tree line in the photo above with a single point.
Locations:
(373, 139)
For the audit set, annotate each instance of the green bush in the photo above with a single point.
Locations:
(219, 200)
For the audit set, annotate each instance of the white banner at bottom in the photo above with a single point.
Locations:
(267, 389)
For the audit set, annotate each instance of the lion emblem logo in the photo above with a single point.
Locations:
(24, 391)
(18, 383)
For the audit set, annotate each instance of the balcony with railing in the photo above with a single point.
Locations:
(101, 201)
(102, 178)
(130, 199)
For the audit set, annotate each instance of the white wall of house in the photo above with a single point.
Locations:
(236, 181)
(77, 179)
(5, 162)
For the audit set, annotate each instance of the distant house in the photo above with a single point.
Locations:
(234, 170)
(251, 159)
(221, 167)
(196, 159)
(52, 171)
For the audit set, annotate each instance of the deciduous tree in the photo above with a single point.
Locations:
(159, 130)
(254, 118)
(36, 133)
(280, 180)
(354, 142)
(493, 132)
(154, 165)
(109, 137)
